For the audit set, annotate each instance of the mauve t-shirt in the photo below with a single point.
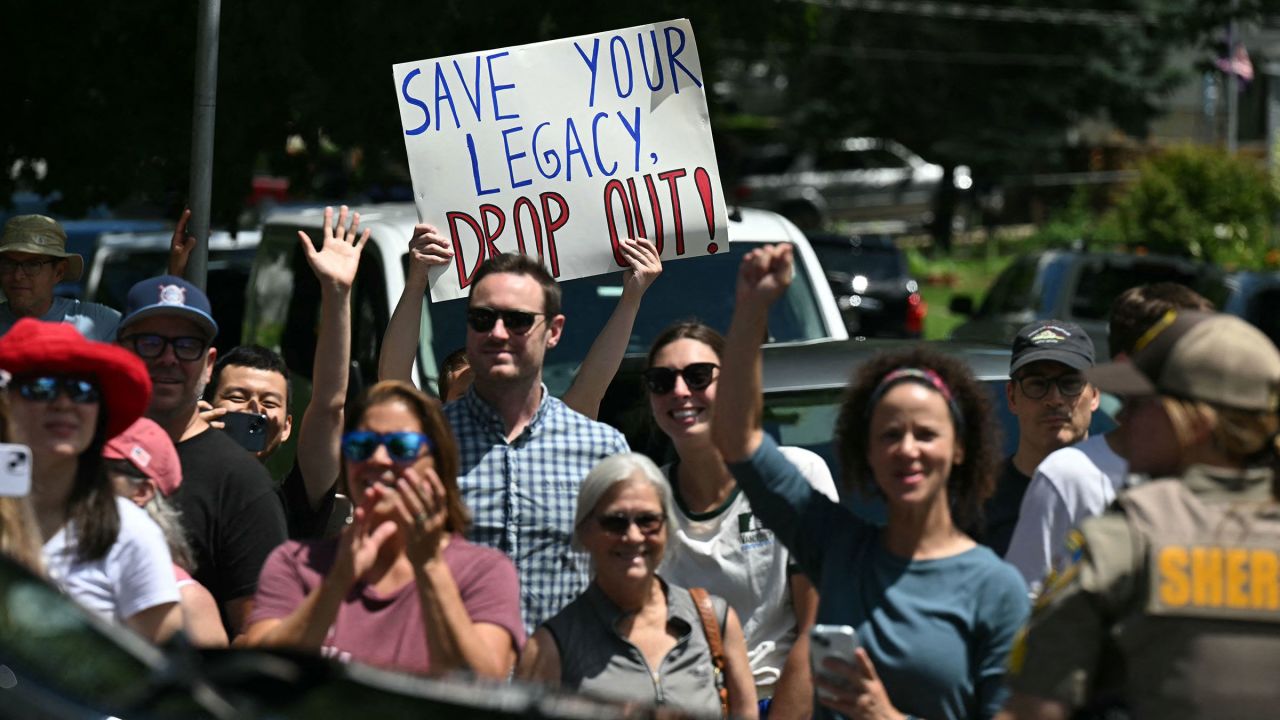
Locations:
(386, 630)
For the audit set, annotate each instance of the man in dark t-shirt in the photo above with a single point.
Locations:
(1053, 402)
(228, 505)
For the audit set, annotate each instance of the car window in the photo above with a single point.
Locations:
(1099, 282)
(1262, 313)
(1011, 292)
(699, 288)
(873, 262)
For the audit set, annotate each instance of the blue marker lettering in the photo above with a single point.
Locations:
(592, 63)
(595, 138)
(475, 168)
(657, 59)
(511, 170)
(549, 155)
(614, 42)
(442, 93)
(472, 100)
(571, 136)
(634, 131)
(673, 54)
(495, 87)
(404, 93)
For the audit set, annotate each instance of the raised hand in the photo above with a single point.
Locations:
(338, 258)
(765, 274)
(646, 264)
(428, 247)
(180, 246)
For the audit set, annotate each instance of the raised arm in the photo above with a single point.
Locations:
(605, 355)
(335, 265)
(763, 277)
(427, 248)
(180, 246)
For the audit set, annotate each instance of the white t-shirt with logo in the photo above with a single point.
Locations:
(135, 574)
(731, 554)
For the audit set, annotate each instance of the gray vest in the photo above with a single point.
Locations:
(596, 660)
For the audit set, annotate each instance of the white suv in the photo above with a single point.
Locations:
(283, 299)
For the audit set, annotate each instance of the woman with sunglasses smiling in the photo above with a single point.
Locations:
(935, 613)
(399, 588)
(67, 396)
(632, 636)
(721, 545)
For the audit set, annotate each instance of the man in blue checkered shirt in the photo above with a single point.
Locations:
(524, 453)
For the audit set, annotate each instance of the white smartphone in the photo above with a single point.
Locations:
(837, 641)
(15, 470)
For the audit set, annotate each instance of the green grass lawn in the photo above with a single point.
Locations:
(941, 279)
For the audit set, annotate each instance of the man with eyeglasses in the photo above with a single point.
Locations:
(33, 260)
(228, 503)
(1053, 402)
(523, 452)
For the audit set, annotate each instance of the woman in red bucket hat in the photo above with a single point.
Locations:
(67, 396)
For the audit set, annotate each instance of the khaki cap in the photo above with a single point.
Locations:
(1217, 358)
(40, 235)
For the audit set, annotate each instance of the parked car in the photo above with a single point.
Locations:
(868, 275)
(84, 238)
(857, 178)
(283, 301)
(123, 259)
(1075, 286)
(1255, 296)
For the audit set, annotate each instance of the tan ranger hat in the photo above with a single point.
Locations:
(1220, 359)
(40, 235)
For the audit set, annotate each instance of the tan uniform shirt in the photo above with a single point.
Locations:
(1172, 598)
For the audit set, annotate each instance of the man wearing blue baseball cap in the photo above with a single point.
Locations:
(229, 506)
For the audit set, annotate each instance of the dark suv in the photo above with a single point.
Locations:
(869, 278)
(1075, 286)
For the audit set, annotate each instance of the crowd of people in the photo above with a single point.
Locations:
(487, 527)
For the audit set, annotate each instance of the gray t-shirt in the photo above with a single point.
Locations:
(94, 321)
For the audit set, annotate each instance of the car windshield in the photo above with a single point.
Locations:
(1098, 284)
(699, 288)
(874, 263)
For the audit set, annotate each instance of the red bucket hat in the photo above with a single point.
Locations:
(34, 347)
(148, 448)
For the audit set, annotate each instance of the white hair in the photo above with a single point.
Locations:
(615, 469)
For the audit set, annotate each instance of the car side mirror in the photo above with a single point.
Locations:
(961, 305)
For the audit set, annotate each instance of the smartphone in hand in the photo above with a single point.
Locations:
(837, 641)
(247, 429)
(15, 470)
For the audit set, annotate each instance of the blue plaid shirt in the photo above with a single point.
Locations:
(522, 494)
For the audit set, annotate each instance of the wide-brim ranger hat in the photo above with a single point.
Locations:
(1054, 340)
(1212, 357)
(147, 447)
(35, 347)
(40, 235)
(168, 295)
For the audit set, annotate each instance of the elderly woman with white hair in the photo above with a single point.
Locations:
(632, 636)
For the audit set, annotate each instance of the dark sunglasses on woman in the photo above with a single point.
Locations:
(482, 319)
(619, 523)
(697, 376)
(46, 388)
(403, 447)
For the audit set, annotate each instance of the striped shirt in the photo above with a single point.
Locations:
(522, 494)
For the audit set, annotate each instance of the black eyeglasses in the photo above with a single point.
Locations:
(47, 389)
(148, 345)
(619, 523)
(1037, 386)
(28, 267)
(482, 319)
(403, 447)
(697, 376)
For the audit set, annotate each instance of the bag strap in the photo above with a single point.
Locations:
(707, 612)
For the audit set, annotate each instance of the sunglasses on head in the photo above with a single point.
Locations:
(482, 319)
(697, 376)
(619, 523)
(360, 445)
(47, 388)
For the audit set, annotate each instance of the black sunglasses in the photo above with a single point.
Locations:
(47, 388)
(149, 346)
(1037, 386)
(403, 447)
(482, 319)
(697, 376)
(619, 523)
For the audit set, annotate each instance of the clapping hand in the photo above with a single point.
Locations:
(357, 546)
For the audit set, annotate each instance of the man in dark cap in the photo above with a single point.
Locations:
(1053, 402)
(33, 260)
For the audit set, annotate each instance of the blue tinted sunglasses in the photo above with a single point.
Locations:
(360, 445)
(47, 388)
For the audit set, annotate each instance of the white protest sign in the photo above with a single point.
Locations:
(560, 149)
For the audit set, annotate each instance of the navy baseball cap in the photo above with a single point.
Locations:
(1054, 340)
(168, 295)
